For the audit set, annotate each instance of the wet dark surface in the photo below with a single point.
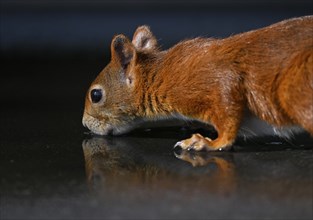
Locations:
(53, 168)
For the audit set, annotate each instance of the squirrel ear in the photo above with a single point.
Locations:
(122, 50)
(143, 39)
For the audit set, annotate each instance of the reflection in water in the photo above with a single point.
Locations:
(147, 166)
(126, 163)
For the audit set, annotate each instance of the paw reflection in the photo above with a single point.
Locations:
(129, 163)
(196, 159)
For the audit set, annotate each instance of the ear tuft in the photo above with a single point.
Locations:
(122, 50)
(144, 40)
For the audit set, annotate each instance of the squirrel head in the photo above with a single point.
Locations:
(111, 103)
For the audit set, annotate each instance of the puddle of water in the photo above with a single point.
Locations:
(51, 166)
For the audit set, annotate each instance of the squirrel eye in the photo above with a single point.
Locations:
(96, 95)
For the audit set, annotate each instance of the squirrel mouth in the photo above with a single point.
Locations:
(96, 126)
(110, 132)
(101, 128)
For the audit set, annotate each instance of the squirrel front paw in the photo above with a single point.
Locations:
(198, 143)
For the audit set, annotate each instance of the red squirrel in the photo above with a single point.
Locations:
(268, 71)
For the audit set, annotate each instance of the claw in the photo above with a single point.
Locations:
(178, 144)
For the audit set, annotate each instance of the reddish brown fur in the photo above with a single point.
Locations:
(269, 71)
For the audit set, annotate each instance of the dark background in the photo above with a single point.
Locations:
(51, 50)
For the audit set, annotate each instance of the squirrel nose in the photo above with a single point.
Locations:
(84, 121)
